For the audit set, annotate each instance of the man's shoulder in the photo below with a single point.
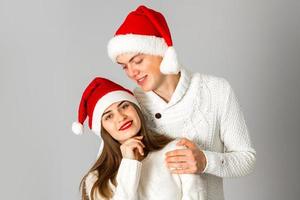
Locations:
(215, 87)
(209, 79)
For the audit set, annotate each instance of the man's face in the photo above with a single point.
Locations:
(142, 69)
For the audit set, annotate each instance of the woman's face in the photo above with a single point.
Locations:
(121, 121)
(143, 69)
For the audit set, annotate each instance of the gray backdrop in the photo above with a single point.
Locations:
(50, 50)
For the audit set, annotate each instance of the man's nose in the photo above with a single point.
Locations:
(132, 71)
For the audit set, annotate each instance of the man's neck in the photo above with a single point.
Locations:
(167, 88)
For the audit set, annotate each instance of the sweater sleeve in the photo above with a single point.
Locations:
(191, 185)
(238, 157)
(127, 181)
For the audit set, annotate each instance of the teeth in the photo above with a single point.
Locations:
(141, 79)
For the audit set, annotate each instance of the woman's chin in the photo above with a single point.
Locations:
(130, 135)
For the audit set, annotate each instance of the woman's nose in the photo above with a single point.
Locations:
(121, 116)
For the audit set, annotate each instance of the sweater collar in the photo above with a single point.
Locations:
(180, 90)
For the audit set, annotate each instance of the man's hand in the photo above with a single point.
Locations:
(186, 161)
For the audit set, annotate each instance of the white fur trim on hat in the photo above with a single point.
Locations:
(169, 64)
(77, 128)
(133, 43)
(104, 102)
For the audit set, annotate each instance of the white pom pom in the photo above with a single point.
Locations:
(77, 128)
(169, 64)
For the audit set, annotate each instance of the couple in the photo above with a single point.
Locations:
(176, 138)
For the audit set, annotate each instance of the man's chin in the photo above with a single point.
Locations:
(145, 88)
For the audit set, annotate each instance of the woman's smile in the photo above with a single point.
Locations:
(126, 125)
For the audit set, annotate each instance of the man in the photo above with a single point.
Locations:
(202, 109)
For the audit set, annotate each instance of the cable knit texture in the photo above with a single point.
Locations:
(151, 179)
(205, 109)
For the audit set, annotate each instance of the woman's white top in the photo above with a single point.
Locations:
(150, 179)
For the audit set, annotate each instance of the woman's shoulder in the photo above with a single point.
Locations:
(173, 145)
(92, 176)
(90, 180)
(169, 147)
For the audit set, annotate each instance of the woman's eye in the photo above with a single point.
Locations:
(125, 105)
(124, 67)
(107, 117)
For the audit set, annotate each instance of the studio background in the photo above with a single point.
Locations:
(50, 50)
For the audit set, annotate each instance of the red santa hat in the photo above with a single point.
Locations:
(98, 96)
(145, 31)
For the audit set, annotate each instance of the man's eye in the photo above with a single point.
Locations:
(124, 67)
(138, 61)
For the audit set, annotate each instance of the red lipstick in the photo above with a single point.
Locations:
(125, 126)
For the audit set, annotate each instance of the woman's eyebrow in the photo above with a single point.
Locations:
(121, 103)
(117, 106)
(106, 112)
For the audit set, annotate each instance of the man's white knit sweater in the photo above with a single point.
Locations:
(204, 109)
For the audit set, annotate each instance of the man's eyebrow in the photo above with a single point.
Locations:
(130, 59)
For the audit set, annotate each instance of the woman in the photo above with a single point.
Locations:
(131, 164)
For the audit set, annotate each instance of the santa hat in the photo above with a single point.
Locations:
(145, 31)
(98, 96)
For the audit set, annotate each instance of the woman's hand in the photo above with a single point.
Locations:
(133, 148)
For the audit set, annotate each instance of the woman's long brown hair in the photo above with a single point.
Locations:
(109, 161)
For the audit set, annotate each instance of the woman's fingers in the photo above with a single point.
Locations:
(135, 140)
(137, 144)
(131, 145)
(139, 137)
(140, 149)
